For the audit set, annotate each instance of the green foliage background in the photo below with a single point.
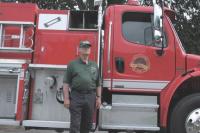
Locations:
(187, 13)
(188, 24)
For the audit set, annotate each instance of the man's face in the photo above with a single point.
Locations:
(85, 52)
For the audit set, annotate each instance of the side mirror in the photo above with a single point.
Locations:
(157, 21)
(157, 36)
(97, 2)
(158, 26)
(152, 37)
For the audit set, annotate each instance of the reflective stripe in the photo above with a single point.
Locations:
(135, 84)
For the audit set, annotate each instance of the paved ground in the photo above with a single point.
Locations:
(12, 129)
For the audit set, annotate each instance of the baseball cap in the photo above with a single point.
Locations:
(85, 44)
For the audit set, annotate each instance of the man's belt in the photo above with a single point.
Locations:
(84, 91)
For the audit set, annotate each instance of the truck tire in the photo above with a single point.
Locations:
(185, 117)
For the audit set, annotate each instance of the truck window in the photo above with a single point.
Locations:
(134, 25)
(83, 20)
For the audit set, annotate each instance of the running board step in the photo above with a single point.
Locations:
(48, 124)
(9, 122)
(130, 112)
(45, 124)
(129, 117)
(133, 128)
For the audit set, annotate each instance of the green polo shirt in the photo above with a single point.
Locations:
(82, 76)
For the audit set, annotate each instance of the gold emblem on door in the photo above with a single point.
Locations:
(140, 64)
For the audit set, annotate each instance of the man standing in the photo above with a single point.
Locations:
(82, 76)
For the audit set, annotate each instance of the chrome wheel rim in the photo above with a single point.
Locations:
(192, 123)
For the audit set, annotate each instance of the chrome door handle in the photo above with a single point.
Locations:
(109, 46)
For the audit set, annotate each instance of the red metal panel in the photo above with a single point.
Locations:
(15, 56)
(17, 12)
(60, 47)
(20, 97)
(193, 61)
(109, 16)
(166, 96)
(19, 114)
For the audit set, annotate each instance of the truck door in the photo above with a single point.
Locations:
(136, 64)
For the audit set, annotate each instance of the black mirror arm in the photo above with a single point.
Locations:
(160, 52)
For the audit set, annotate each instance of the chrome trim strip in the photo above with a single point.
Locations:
(10, 71)
(47, 66)
(1, 34)
(130, 80)
(9, 122)
(21, 36)
(100, 18)
(17, 93)
(17, 22)
(5, 67)
(131, 127)
(50, 124)
(119, 84)
(109, 46)
(13, 61)
(21, 50)
(8, 74)
(148, 106)
(79, 29)
(150, 90)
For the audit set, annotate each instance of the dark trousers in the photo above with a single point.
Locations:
(82, 107)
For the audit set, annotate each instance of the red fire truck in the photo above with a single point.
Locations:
(149, 82)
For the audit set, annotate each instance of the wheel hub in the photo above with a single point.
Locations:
(192, 124)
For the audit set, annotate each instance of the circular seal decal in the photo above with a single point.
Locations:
(140, 64)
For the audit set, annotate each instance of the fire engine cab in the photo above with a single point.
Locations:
(149, 83)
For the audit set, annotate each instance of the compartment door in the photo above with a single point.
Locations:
(8, 90)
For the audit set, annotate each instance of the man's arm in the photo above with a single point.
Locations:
(66, 84)
(66, 95)
(66, 90)
(98, 98)
(98, 91)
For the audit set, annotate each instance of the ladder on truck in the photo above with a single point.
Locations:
(21, 47)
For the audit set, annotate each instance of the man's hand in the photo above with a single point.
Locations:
(66, 103)
(98, 102)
